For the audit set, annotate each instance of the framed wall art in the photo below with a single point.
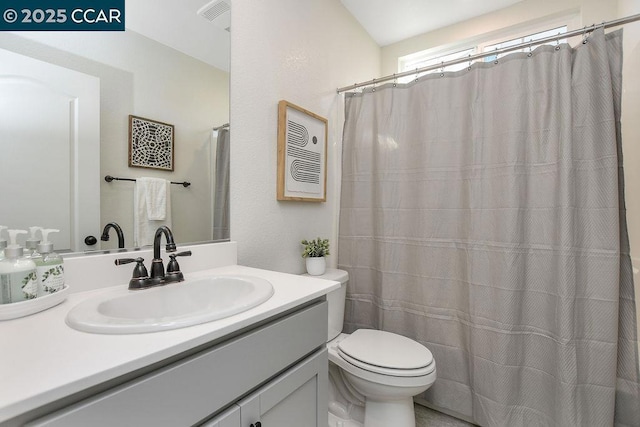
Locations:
(151, 144)
(302, 154)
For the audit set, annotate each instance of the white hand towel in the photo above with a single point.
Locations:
(152, 199)
(155, 193)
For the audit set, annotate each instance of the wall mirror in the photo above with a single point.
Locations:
(60, 138)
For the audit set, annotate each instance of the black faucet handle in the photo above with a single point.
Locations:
(173, 264)
(140, 277)
(122, 261)
(173, 268)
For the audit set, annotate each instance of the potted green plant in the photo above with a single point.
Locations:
(314, 253)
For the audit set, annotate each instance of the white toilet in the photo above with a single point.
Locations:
(373, 375)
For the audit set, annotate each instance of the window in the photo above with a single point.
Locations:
(436, 56)
(531, 37)
(421, 60)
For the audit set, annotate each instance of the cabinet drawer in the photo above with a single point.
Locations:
(189, 390)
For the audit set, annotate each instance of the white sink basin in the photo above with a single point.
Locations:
(173, 306)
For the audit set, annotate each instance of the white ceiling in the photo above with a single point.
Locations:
(177, 25)
(389, 21)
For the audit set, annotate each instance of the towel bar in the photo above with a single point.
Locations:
(110, 178)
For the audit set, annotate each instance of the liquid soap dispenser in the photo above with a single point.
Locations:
(49, 268)
(3, 243)
(17, 273)
(31, 244)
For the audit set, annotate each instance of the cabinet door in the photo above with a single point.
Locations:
(229, 418)
(298, 397)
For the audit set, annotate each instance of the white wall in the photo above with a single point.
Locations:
(141, 77)
(300, 51)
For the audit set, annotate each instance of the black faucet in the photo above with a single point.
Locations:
(157, 267)
(115, 226)
(141, 279)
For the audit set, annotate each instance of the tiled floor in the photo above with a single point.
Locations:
(426, 417)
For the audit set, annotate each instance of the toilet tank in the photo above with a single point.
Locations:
(335, 300)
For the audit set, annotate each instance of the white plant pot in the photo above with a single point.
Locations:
(316, 265)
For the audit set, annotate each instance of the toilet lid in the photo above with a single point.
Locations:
(385, 349)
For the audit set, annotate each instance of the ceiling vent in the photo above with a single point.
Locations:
(218, 12)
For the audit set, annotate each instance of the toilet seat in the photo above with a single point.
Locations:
(388, 371)
(386, 353)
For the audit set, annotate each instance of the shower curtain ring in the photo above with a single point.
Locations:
(585, 36)
(530, 54)
(469, 68)
(558, 42)
(395, 80)
(441, 68)
(373, 82)
(416, 75)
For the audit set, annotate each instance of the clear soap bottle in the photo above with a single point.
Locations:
(49, 265)
(17, 273)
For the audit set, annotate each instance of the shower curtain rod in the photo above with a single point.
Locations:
(470, 58)
(226, 125)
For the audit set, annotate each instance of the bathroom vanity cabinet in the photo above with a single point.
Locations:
(273, 373)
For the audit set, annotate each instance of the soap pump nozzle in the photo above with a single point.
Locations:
(46, 246)
(32, 241)
(14, 250)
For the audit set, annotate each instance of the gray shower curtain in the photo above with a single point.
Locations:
(221, 228)
(482, 214)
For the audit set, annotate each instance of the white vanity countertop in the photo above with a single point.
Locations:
(42, 359)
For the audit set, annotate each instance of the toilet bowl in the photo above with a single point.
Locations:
(373, 374)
